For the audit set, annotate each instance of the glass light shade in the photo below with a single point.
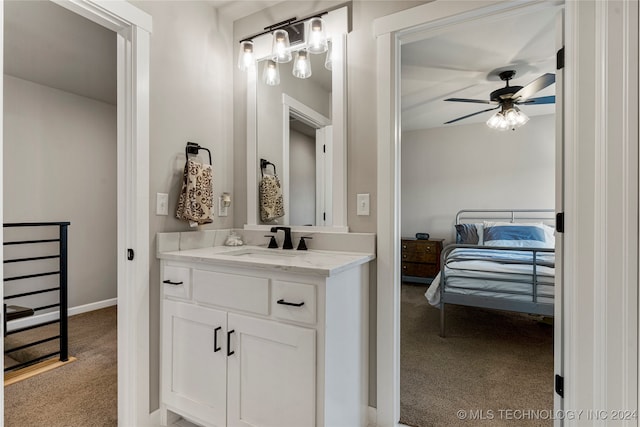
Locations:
(328, 62)
(270, 74)
(511, 118)
(302, 65)
(245, 57)
(316, 36)
(280, 50)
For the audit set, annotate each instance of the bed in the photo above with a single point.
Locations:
(502, 259)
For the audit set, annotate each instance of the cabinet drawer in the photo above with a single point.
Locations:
(286, 298)
(419, 270)
(176, 282)
(246, 293)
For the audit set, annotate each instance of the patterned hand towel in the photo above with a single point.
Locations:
(196, 197)
(271, 205)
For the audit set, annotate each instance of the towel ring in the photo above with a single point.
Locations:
(193, 148)
(265, 164)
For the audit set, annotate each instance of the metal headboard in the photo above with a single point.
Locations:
(511, 215)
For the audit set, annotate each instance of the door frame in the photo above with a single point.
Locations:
(133, 28)
(312, 118)
(390, 31)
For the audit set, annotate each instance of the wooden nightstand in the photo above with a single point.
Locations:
(420, 259)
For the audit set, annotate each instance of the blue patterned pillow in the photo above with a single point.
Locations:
(468, 234)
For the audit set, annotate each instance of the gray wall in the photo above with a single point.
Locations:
(447, 169)
(60, 165)
(190, 100)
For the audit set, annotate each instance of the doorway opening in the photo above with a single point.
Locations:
(131, 27)
(454, 163)
(393, 33)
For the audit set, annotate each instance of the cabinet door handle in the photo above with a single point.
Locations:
(169, 282)
(294, 304)
(229, 351)
(215, 340)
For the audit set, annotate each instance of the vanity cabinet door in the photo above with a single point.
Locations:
(271, 374)
(194, 361)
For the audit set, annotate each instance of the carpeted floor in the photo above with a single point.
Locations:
(80, 394)
(490, 363)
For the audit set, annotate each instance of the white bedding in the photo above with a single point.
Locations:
(466, 276)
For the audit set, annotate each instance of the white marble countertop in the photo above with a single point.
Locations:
(325, 263)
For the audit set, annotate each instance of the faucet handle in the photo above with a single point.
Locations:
(272, 243)
(302, 246)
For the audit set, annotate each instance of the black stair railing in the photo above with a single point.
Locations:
(13, 312)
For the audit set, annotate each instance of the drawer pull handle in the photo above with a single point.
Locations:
(229, 351)
(294, 304)
(404, 255)
(404, 267)
(215, 340)
(169, 282)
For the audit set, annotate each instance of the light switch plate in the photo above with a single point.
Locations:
(363, 204)
(162, 204)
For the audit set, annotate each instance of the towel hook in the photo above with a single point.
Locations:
(193, 148)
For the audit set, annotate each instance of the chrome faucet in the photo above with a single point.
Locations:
(288, 244)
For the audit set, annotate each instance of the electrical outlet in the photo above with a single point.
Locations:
(162, 204)
(362, 201)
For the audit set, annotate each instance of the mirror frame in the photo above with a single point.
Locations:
(337, 27)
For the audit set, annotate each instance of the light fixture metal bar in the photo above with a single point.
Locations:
(283, 24)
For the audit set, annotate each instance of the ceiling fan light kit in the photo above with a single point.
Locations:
(506, 98)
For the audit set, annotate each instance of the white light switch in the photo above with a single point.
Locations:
(162, 204)
(363, 204)
(222, 209)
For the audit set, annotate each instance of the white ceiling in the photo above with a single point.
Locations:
(463, 61)
(46, 44)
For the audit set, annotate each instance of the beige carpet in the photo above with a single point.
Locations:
(80, 394)
(489, 363)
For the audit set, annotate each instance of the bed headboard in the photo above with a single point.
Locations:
(546, 216)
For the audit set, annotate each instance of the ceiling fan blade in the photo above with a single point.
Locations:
(470, 115)
(539, 100)
(475, 101)
(535, 86)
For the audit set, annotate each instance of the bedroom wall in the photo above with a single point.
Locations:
(447, 169)
(60, 165)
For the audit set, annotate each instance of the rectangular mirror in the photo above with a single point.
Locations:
(297, 129)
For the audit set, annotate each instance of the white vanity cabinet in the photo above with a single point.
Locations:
(259, 347)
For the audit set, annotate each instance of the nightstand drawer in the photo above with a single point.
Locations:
(419, 270)
(430, 257)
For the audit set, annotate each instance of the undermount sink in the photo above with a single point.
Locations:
(261, 253)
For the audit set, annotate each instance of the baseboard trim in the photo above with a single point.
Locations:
(372, 416)
(46, 317)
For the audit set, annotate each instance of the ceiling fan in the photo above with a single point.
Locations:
(507, 99)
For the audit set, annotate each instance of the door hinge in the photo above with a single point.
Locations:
(324, 148)
(130, 254)
(560, 222)
(324, 216)
(560, 59)
(560, 385)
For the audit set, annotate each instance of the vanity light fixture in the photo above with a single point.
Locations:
(271, 74)
(302, 65)
(281, 52)
(316, 36)
(509, 117)
(288, 38)
(245, 57)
